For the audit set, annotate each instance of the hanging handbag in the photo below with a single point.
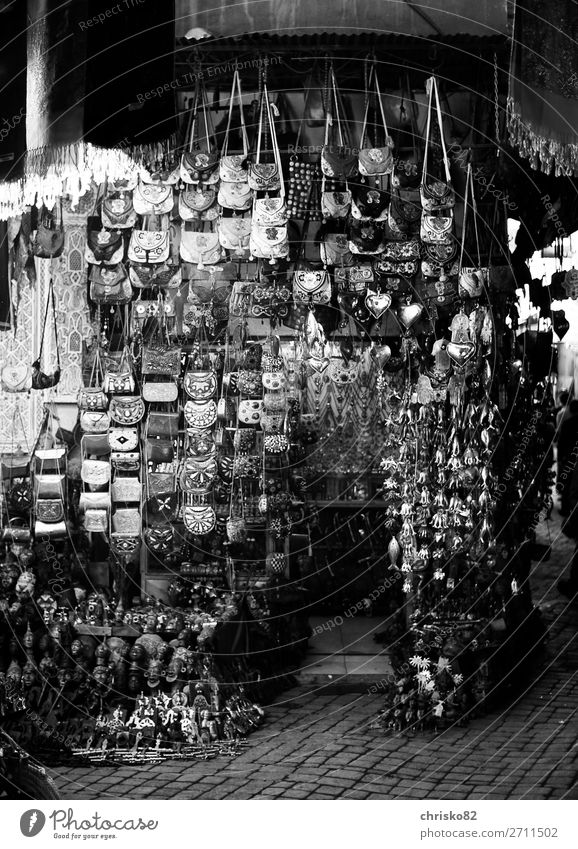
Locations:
(159, 540)
(16, 378)
(126, 410)
(335, 204)
(200, 414)
(48, 241)
(200, 385)
(159, 451)
(199, 519)
(198, 474)
(95, 472)
(121, 382)
(162, 508)
(249, 382)
(149, 246)
(375, 161)
(369, 203)
(266, 176)
(40, 380)
(163, 424)
(234, 234)
(96, 521)
(201, 443)
(200, 248)
(49, 486)
(149, 276)
(94, 501)
(436, 228)
(435, 194)
(472, 282)
(103, 246)
(125, 545)
(128, 461)
(199, 165)
(199, 203)
(366, 237)
(309, 283)
(109, 284)
(249, 411)
(50, 529)
(159, 356)
(94, 422)
(92, 397)
(337, 160)
(163, 392)
(117, 211)
(49, 509)
(269, 242)
(235, 196)
(153, 198)
(123, 438)
(234, 169)
(126, 489)
(127, 520)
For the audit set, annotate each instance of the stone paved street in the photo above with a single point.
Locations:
(318, 745)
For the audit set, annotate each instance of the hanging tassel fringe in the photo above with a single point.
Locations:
(544, 153)
(68, 171)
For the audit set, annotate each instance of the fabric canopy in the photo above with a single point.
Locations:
(543, 99)
(226, 18)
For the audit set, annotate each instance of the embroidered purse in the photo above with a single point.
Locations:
(94, 421)
(201, 443)
(123, 438)
(200, 414)
(127, 520)
(153, 199)
(198, 475)
(436, 228)
(270, 212)
(149, 246)
(95, 472)
(200, 248)
(49, 509)
(335, 204)
(375, 161)
(199, 519)
(126, 489)
(164, 392)
(127, 410)
(235, 233)
(104, 246)
(369, 203)
(199, 203)
(266, 176)
(161, 358)
(366, 237)
(268, 242)
(200, 385)
(159, 540)
(16, 378)
(109, 284)
(236, 196)
(118, 210)
(250, 411)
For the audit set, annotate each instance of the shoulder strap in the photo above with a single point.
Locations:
(50, 302)
(236, 92)
(431, 86)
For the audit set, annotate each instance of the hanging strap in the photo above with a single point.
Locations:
(373, 79)
(49, 303)
(236, 93)
(275, 145)
(469, 194)
(431, 84)
(193, 117)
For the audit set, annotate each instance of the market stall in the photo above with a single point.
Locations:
(298, 388)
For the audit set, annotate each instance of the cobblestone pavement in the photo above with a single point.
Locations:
(321, 746)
